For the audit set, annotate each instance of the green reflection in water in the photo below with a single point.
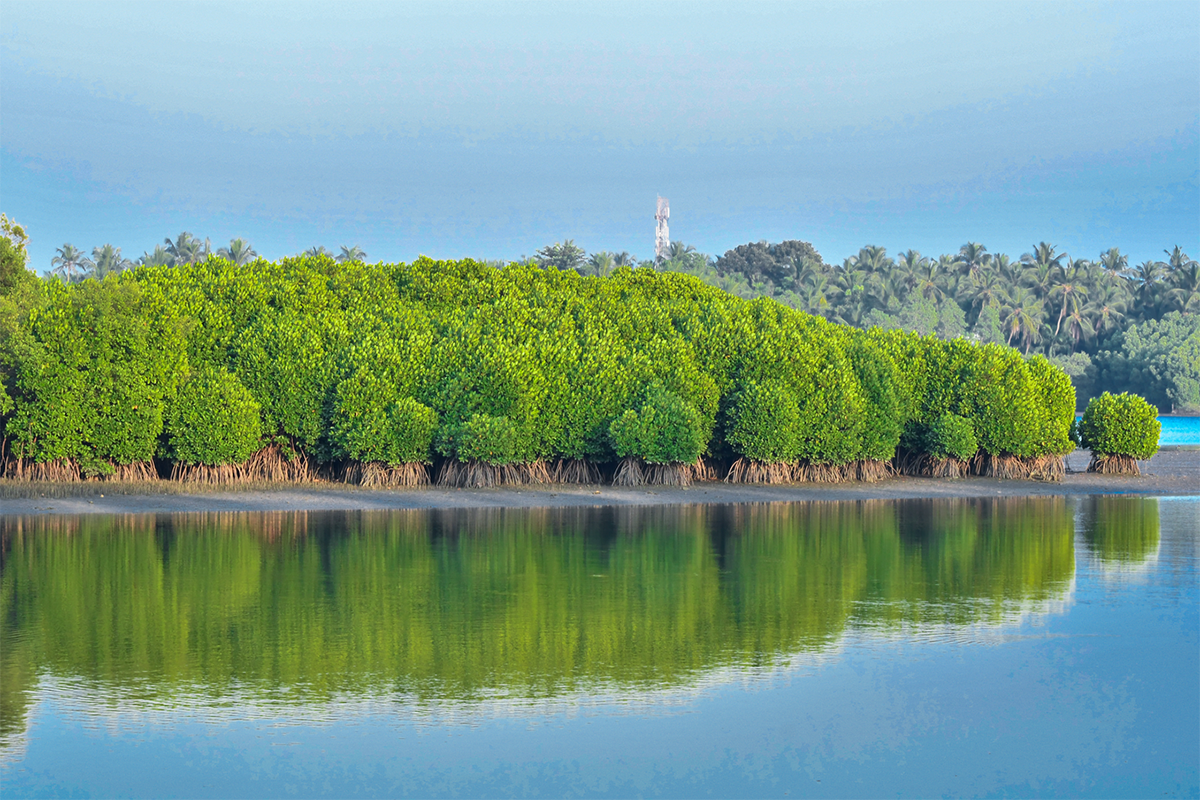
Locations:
(460, 605)
(1121, 532)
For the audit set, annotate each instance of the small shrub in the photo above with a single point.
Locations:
(951, 436)
(369, 425)
(214, 420)
(666, 429)
(763, 422)
(1120, 425)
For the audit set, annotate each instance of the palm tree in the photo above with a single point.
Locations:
(354, 253)
(1043, 254)
(973, 257)
(1072, 289)
(159, 258)
(1147, 286)
(1107, 308)
(1078, 326)
(601, 263)
(318, 250)
(69, 260)
(1113, 263)
(910, 265)
(1009, 272)
(108, 259)
(929, 279)
(1177, 259)
(187, 249)
(1023, 316)
(623, 259)
(987, 290)
(239, 252)
(1184, 293)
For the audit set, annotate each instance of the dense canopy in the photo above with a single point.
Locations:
(507, 369)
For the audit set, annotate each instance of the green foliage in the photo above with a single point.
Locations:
(764, 422)
(370, 424)
(951, 436)
(511, 365)
(492, 440)
(1121, 424)
(665, 429)
(214, 420)
(94, 366)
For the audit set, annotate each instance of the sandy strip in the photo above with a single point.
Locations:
(1172, 472)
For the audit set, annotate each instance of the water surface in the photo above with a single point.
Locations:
(1024, 646)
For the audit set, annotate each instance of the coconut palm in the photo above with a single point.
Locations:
(354, 253)
(159, 258)
(974, 257)
(1008, 271)
(107, 260)
(1023, 317)
(910, 265)
(187, 249)
(1072, 290)
(1113, 262)
(930, 278)
(1107, 308)
(1177, 259)
(1078, 326)
(69, 261)
(317, 250)
(987, 290)
(1184, 294)
(601, 263)
(239, 252)
(623, 259)
(1147, 287)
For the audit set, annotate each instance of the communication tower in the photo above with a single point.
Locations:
(662, 239)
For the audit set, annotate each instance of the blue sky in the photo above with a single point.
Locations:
(492, 129)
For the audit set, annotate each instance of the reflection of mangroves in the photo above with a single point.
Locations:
(459, 604)
(1121, 531)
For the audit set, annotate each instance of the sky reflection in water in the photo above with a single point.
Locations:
(1007, 647)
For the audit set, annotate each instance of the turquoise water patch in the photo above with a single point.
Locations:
(1179, 431)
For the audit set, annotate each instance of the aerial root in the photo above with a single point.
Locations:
(272, 464)
(380, 474)
(574, 470)
(219, 474)
(481, 475)
(1006, 467)
(1114, 464)
(62, 470)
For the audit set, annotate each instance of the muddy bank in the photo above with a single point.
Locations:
(1173, 471)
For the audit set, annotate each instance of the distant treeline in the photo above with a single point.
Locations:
(217, 371)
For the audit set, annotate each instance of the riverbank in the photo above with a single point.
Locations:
(1173, 471)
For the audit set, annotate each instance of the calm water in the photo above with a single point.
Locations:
(1041, 646)
(1180, 431)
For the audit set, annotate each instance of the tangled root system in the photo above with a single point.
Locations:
(271, 464)
(574, 470)
(1114, 464)
(481, 475)
(924, 465)
(221, 474)
(747, 470)
(634, 471)
(63, 470)
(1038, 468)
(133, 473)
(380, 474)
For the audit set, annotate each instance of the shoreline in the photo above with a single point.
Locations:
(1172, 472)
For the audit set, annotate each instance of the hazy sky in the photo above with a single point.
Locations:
(492, 129)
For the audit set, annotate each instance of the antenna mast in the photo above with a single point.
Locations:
(662, 239)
